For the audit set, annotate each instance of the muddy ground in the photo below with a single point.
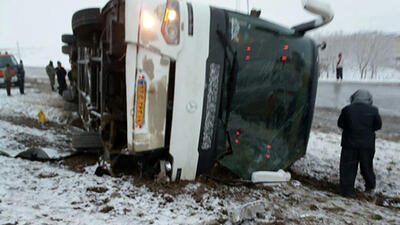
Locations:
(324, 121)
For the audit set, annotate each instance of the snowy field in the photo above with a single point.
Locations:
(386, 75)
(53, 193)
(35, 99)
(41, 193)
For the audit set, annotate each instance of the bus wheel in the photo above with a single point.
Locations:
(68, 39)
(86, 24)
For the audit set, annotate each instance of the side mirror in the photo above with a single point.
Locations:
(322, 9)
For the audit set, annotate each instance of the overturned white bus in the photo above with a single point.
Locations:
(188, 85)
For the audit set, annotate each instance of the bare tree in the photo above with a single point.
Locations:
(366, 52)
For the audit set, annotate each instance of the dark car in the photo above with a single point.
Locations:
(8, 59)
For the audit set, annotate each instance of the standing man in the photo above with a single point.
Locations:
(339, 68)
(7, 79)
(61, 73)
(21, 77)
(51, 72)
(359, 121)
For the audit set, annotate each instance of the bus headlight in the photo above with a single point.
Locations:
(148, 21)
(170, 26)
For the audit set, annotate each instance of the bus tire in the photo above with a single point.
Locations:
(85, 24)
(68, 39)
(66, 49)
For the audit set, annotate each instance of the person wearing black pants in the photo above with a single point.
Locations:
(339, 68)
(61, 73)
(359, 121)
(349, 160)
(21, 77)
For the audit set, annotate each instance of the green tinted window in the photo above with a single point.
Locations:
(274, 66)
(272, 98)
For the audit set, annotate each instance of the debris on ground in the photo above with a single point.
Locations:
(33, 154)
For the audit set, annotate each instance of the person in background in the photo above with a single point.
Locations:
(61, 73)
(358, 121)
(51, 72)
(7, 79)
(339, 68)
(21, 77)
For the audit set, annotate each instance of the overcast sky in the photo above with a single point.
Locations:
(37, 25)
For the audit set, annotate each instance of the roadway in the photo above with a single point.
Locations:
(386, 95)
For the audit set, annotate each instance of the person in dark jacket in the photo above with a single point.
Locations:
(21, 77)
(359, 121)
(7, 79)
(61, 73)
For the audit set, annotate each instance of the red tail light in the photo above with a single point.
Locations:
(12, 71)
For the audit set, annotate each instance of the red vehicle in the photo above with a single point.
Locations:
(5, 59)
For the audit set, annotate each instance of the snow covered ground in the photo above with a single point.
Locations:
(42, 193)
(34, 100)
(52, 193)
(19, 129)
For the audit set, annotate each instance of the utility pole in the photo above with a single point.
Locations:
(19, 53)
